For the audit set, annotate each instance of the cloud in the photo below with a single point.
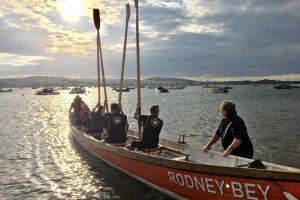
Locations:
(16, 60)
(177, 38)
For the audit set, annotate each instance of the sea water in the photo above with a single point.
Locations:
(39, 159)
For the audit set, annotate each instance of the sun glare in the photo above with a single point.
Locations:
(71, 10)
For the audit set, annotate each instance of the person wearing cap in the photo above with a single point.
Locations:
(233, 133)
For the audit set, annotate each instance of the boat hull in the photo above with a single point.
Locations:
(77, 92)
(219, 90)
(44, 93)
(189, 181)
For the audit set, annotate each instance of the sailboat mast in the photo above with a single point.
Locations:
(46, 80)
(62, 78)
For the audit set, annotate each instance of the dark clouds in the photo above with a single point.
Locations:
(262, 38)
(178, 38)
(19, 41)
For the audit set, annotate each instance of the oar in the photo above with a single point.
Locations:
(124, 55)
(96, 16)
(138, 71)
(102, 69)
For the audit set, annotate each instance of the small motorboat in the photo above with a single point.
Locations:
(5, 90)
(228, 87)
(282, 86)
(77, 90)
(48, 91)
(162, 90)
(126, 89)
(176, 87)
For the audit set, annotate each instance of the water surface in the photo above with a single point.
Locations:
(39, 159)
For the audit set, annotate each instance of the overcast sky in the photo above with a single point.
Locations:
(178, 38)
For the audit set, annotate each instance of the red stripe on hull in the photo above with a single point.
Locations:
(198, 186)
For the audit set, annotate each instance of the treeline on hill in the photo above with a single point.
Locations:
(41, 81)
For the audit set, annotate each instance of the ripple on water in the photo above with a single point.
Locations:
(39, 159)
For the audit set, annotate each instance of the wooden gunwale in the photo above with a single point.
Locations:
(260, 174)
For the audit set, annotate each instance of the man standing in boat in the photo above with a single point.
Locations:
(115, 125)
(233, 133)
(151, 129)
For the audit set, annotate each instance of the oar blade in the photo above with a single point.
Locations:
(96, 15)
(127, 12)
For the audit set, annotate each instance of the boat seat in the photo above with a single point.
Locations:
(159, 148)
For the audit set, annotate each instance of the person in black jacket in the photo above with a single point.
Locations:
(115, 125)
(233, 133)
(152, 125)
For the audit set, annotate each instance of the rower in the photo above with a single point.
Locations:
(97, 120)
(115, 125)
(75, 105)
(151, 125)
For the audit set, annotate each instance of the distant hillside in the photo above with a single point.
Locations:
(41, 81)
(168, 81)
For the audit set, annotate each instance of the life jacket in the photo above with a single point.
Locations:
(151, 131)
(116, 128)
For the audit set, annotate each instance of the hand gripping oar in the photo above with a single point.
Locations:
(138, 71)
(96, 16)
(124, 55)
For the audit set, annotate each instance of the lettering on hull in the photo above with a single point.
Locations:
(251, 191)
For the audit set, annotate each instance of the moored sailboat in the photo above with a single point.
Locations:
(48, 91)
(161, 89)
(219, 90)
(63, 87)
(77, 90)
(124, 89)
